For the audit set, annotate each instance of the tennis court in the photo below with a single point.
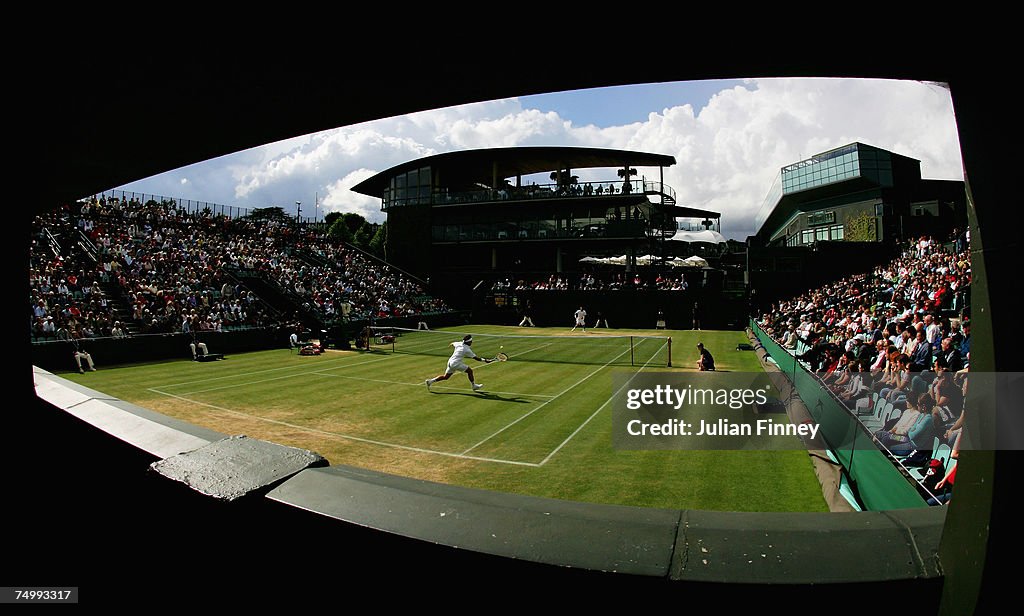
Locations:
(541, 425)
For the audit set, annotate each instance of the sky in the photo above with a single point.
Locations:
(729, 138)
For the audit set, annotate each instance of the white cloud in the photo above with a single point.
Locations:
(340, 198)
(727, 153)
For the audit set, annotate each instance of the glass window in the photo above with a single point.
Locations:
(821, 234)
(506, 230)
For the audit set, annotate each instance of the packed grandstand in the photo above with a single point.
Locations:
(109, 267)
(893, 345)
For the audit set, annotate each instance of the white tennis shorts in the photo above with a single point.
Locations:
(457, 366)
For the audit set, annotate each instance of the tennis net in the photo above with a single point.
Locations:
(571, 349)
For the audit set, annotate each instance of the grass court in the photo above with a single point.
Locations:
(541, 426)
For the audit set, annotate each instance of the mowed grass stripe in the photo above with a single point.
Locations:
(538, 344)
(594, 414)
(232, 370)
(348, 436)
(435, 387)
(300, 363)
(306, 372)
(545, 433)
(567, 390)
(716, 480)
(449, 415)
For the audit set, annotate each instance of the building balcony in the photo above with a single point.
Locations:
(534, 192)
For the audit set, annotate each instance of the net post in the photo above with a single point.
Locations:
(632, 362)
(670, 351)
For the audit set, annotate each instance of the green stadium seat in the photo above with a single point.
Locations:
(943, 452)
(882, 409)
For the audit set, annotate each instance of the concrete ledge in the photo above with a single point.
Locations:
(809, 548)
(696, 546)
(152, 432)
(589, 536)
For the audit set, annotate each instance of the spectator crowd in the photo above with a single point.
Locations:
(167, 270)
(595, 281)
(899, 335)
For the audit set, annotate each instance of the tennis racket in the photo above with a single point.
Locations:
(500, 357)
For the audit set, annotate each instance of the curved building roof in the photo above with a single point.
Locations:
(481, 166)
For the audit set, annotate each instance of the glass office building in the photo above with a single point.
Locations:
(856, 192)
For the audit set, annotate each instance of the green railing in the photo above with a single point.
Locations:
(878, 482)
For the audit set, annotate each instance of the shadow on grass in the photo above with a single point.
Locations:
(483, 394)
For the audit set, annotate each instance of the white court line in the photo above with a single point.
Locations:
(511, 357)
(571, 387)
(231, 376)
(594, 414)
(287, 376)
(241, 374)
(278, 378)
(423, 343)
(347, 436)
(420, 384)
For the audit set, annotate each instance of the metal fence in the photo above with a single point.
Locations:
(191, 206)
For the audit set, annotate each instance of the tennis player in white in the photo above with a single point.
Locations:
(456, 364)
(581, 319)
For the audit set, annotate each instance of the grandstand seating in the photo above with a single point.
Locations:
(925, 289)
(156, 268)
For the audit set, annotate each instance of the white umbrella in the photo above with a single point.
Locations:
(707, 237)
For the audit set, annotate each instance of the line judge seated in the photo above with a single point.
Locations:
(196, 343)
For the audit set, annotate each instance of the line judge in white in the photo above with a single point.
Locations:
(456, 364)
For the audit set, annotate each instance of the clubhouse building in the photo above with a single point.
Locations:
(527, 210)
